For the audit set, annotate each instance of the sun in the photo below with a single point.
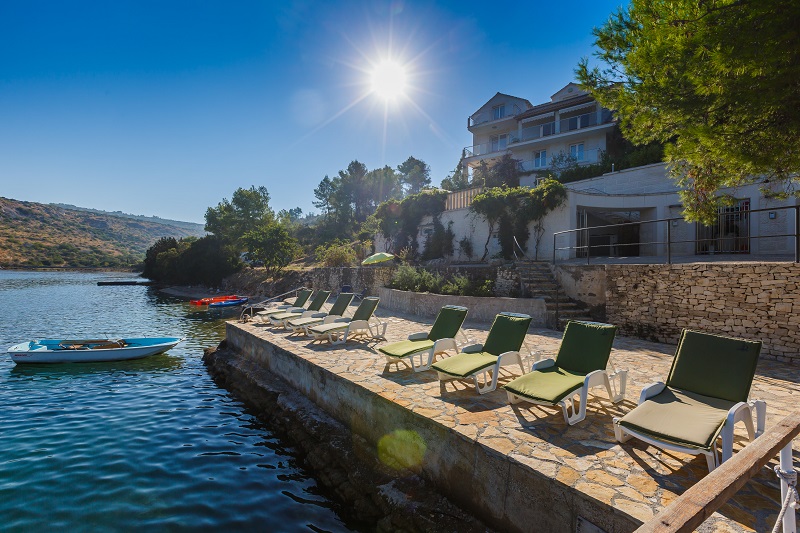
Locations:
(388, 80)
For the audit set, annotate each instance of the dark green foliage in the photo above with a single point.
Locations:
(716, 82)
(414, 175)
(192, 261)
(162, 245)
(465, 244)
(248, 209)
(458, 180)
(399, 221)
(510, 210)
(408, 278)
(271, 246)
(439, 243)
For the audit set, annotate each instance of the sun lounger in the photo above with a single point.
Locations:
(314, 306)
(705, 395)
(337, 310)
(298, 303)
(482, 362)
(362, 324)
(421, 348)
(579, 366)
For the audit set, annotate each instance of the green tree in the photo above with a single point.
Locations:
(458, 180)
(323, 194)
(271, 245)
(414, 175)
(248, 209)
(717, 81)
(163, 244)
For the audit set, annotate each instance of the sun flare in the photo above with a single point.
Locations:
(389, 80)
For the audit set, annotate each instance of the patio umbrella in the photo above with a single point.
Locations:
(380, 257)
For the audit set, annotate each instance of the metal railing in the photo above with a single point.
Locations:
(715, 244)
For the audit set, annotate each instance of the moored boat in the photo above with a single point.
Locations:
(212, 299)
(229, 303)
(90, 350)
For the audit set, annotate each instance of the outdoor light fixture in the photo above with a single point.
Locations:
(772, 215)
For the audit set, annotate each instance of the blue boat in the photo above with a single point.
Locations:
(228, 303)
(90, 350)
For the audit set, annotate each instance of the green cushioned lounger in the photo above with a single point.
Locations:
(579, 366)
(705, 395)
(482, 362)
(363, 324)
(337, 310)
(420, 349)
(302, 297)
(315, 306)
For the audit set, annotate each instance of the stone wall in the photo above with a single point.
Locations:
(369, 278)
(480, 309)
(373, 278)
(759, 301)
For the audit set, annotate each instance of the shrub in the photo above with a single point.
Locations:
(405, 278)
(408, 278)
(336, 254)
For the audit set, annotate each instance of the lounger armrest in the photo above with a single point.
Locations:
(445, 344)
(472, 348)
(418, 336)
(544, 363)
(651, 390)
(314, 314)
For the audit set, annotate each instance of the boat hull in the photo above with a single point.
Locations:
(49, 351)
(228, 303)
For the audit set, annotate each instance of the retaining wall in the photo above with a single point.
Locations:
(759, 301)
(427, 305)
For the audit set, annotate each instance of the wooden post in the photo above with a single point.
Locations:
(699, 502)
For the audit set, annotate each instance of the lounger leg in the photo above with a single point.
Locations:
(488, 384)
(616, 384)
(619, 432)
(760, 407)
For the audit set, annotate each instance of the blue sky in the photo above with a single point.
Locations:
(166, 107)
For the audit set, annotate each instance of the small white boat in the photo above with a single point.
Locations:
(90, 350)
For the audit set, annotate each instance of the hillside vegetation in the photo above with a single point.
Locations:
(42, 235)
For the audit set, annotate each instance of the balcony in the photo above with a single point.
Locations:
(491, 115)
(498, 148)
(587, 157)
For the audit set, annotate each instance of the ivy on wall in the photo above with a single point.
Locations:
(399, 220)
(509, 211)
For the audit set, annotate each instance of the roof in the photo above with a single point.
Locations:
(502, 94)
(554, 106)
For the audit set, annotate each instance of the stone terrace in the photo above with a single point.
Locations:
(613, 486)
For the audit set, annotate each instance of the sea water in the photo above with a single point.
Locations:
(152, 444)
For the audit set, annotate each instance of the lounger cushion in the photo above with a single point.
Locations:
(680, 417)
(506, 334)
(548, 385)
(406, 348)
(465, 364)
(332, 326)
(448, 322)
(307, 321)
(713, 365)
(284, 316)
(585, 346)
(272, 312)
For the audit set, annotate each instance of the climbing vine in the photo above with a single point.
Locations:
(399, 220)
(509, 211)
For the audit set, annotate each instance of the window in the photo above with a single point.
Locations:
(498, 112)
(499, 142)
(576, 151)
(540, 159)
(548, 129)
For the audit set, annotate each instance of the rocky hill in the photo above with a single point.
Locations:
(46, 235)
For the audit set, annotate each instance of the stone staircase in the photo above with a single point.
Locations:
(538, 281)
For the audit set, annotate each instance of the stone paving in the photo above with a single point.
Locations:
(633, 478)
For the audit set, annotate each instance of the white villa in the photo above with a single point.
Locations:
(574, 123)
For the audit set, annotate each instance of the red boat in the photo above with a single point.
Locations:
(212, 299)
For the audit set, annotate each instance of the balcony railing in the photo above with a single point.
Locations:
(461, 199)
(485, 149)
(588, 157)
(489, 116)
